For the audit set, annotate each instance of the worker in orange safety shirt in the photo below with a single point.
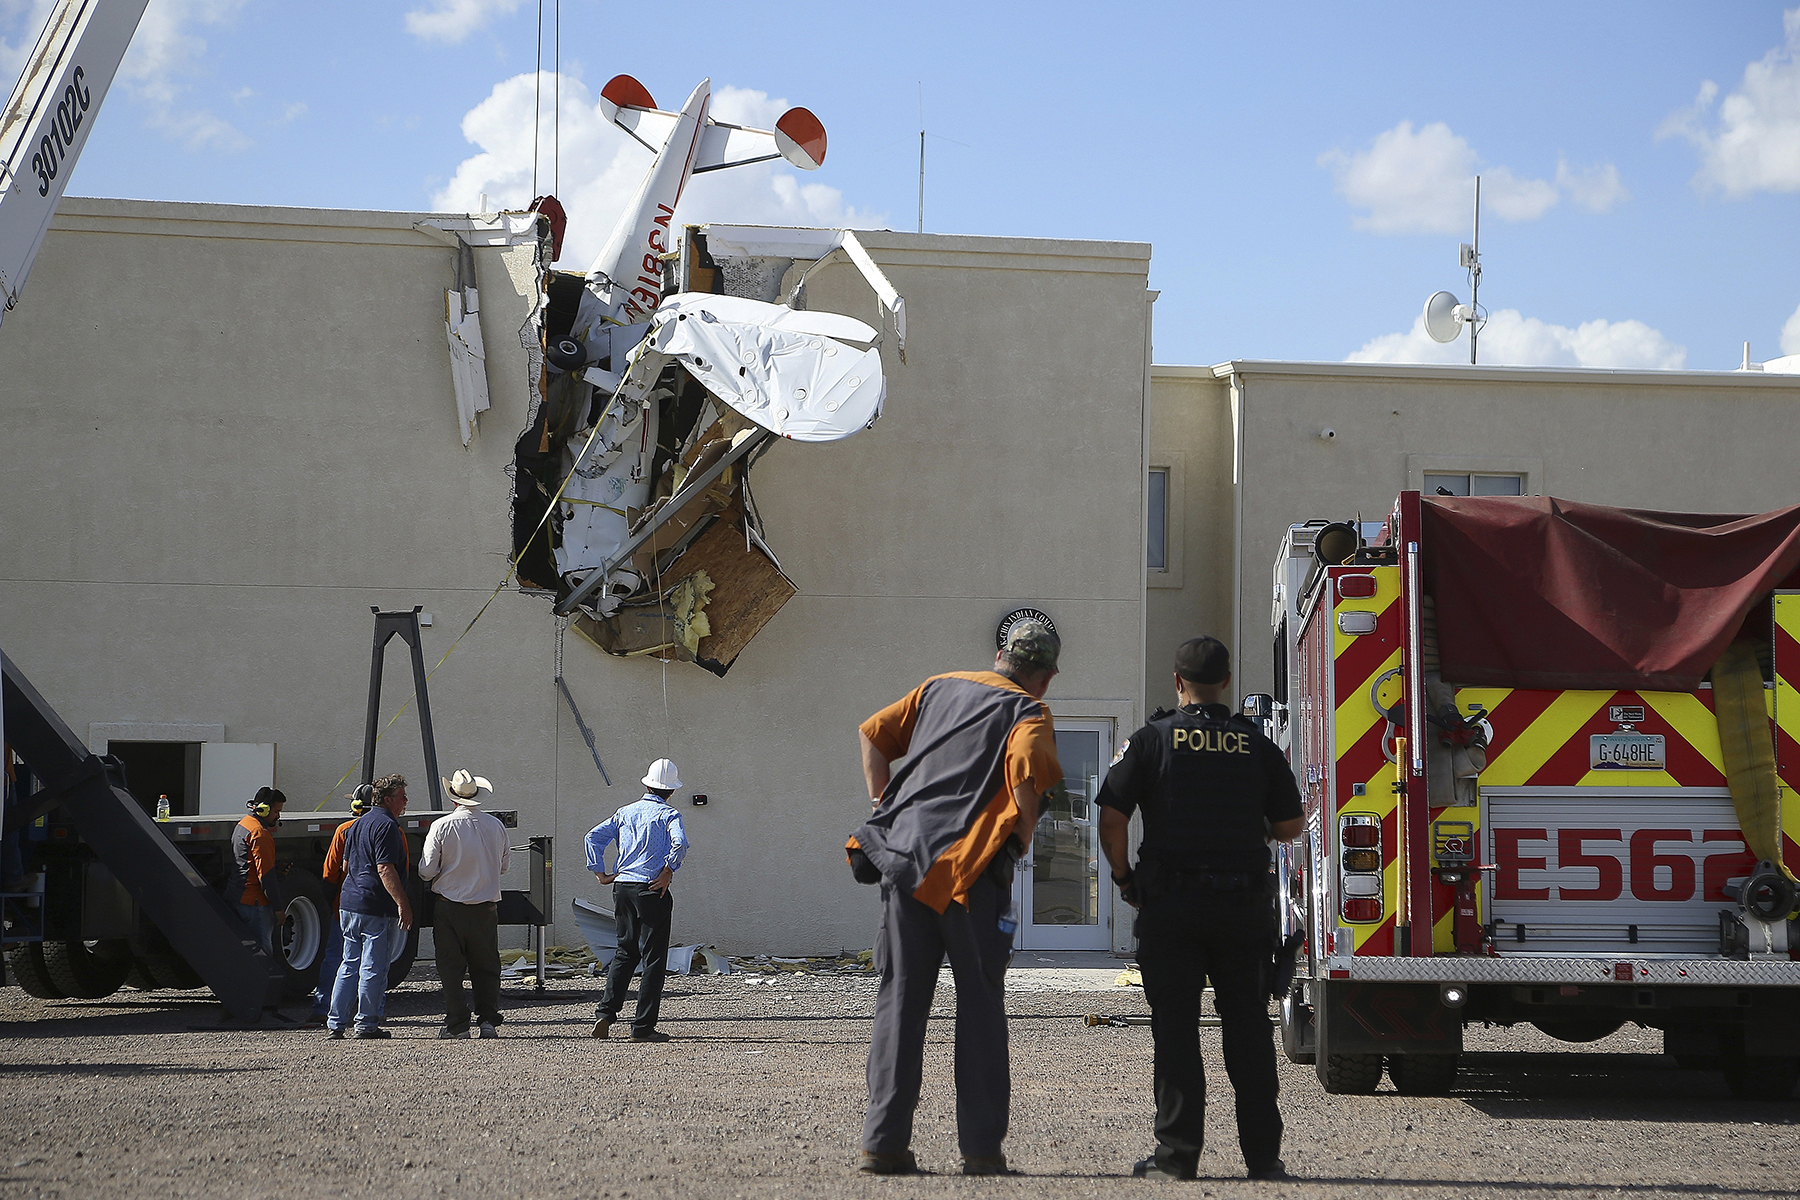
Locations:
(252, 884)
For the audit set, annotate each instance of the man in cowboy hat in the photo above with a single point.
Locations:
(652, 844)
(465, 855)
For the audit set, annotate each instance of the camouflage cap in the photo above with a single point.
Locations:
(1034, 644)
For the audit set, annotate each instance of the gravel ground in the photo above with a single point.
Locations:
(761, 1094)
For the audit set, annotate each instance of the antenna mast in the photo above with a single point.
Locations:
(1471, 258)
(921, 156)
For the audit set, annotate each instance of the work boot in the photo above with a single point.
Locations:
(487, 1031)
(450, 1032)
(1273, 1170)
(335, 1034)
(1150, 1168)
(603, 1027)
(902, 1163)
(986, 1164)
(373, 1033)
(654, 1035)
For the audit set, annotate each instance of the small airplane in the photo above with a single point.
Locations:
(627, 276)
(790, 372)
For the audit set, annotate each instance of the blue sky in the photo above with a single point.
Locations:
(1302, 170)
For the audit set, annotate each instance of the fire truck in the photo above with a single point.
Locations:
(1549, 754)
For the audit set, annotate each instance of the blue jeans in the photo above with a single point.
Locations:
(331, 953)
(261, 920)
(361, 988)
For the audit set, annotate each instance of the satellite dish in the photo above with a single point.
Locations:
(1443, 317)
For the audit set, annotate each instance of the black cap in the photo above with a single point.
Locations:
(1203, 660)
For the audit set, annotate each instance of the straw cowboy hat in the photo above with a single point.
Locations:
(465, 788)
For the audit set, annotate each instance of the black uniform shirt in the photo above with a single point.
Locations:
(1207, 782)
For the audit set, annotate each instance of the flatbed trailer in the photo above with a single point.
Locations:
(1571, 858)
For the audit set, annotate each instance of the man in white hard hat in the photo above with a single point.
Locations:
(465, 855)
(652, 844)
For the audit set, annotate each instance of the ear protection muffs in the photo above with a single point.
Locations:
(362, 799)
(263, 805)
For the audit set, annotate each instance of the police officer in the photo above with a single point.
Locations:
(1213, 791)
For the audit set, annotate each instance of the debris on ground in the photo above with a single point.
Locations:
(861, 962)
(1130, 977)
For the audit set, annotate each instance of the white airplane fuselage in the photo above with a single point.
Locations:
(627, 275)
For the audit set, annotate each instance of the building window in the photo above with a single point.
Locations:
(1437, 484)
(1157, 556)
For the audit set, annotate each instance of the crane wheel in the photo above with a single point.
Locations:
(88, 970)
(25, 963)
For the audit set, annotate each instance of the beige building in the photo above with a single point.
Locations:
(1249, 448)
(230, 431)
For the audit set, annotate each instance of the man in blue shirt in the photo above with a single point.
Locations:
(373, 910)
(652, 844)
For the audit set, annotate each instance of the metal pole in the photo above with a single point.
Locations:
(426, 737)
(921, 181)
(374, 714)
(1475, 279)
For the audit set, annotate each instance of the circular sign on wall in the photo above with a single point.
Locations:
(1014, 617)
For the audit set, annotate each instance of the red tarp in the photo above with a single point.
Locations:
(1536, 592)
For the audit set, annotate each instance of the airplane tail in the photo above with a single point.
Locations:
(798, 136)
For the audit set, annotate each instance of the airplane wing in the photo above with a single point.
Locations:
(798, 137)
(629, 105)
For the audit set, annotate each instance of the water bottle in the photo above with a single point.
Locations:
(162, 808)
(1009, 920)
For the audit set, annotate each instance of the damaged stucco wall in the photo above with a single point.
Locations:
(1672, 440)
(265, 445)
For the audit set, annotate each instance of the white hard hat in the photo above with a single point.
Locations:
(662, 776)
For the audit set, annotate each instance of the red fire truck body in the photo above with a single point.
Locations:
(1568, 858)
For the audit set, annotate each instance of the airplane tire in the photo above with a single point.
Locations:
(399, 967)
(88, 971)
(25, 963)
(1349, 1074)
(1422, 1074)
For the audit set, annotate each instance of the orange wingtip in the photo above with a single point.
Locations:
(626, 92)
(806, 132)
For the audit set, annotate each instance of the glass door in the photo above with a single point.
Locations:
(1063, 889)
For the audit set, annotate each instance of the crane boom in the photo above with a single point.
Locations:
(47, 120)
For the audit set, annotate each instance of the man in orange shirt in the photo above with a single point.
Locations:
(948, 826)
(252, 884)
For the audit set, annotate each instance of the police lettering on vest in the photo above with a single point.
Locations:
(1209, 784)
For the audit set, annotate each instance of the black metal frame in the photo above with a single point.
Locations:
(405, 625)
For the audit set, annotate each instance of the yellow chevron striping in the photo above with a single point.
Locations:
(1387, 591)
(1691, 719)
(1786, 695)
(1529, 751)
(1443, 934)
(1488, 697)
(1357, 713)
(1649, 779)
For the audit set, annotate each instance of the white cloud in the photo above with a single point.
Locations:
(292, 112)
(454, 20)
(165, 56)
(1593, 188)
(1790, 334)
(602, 168)
(1422, 181)
(22, 20)
(1754, 142)
(1510, 339)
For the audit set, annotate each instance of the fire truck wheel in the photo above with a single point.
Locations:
(1422, 1074)
(1297, 1030)
(88, 970)
(1761, 1078)
(1349, 1074)
(25, 963)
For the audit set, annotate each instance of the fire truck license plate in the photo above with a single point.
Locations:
(1626, 752)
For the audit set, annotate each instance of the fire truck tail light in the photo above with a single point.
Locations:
(1362, 908)
(1362, 860)
(1362, 885)
(1360, 836)
(1356, 587)
(1622, 972)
